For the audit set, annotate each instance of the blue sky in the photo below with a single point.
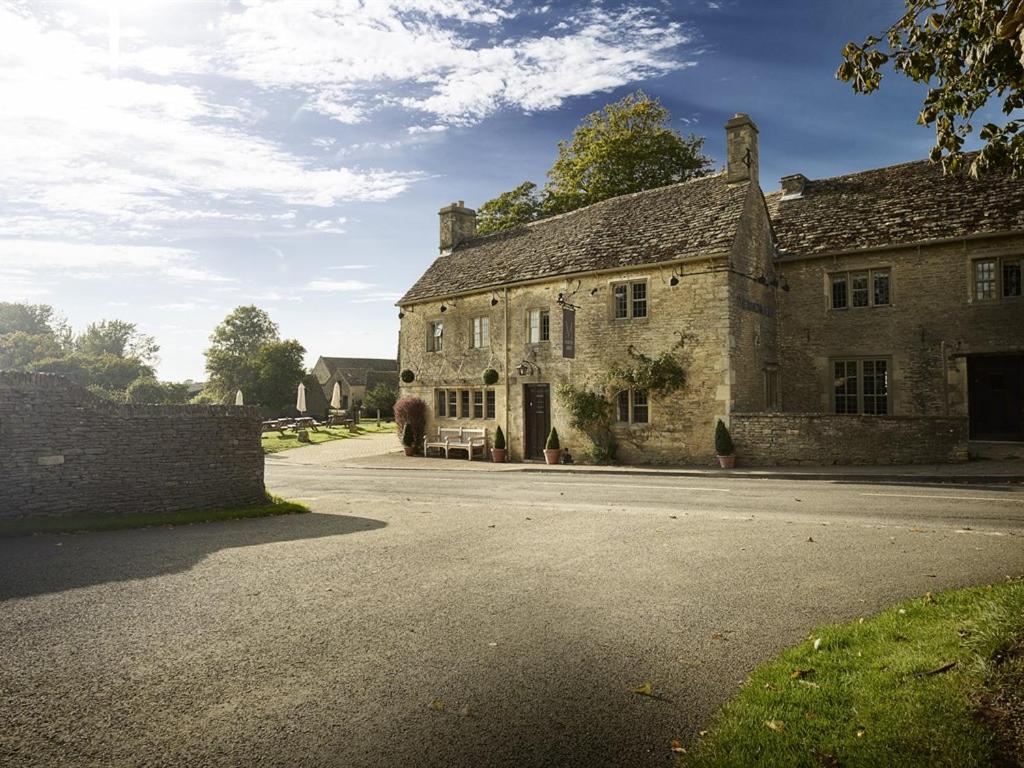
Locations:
(165, 161)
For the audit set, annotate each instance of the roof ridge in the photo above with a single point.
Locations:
(555, 217)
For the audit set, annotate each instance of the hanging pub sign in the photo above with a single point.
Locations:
(568, 332)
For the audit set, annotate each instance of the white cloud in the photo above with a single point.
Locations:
(88, 154)
(338, 286)
(445, 55)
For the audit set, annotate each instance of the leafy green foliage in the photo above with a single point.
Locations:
(628, 146)
(380, 398)
(968, 53)
(109, 372)
(278, 370)
(490, 377)
(30, 333)
(149, 390)
(118, 338)
(412, 411)
(661, 375)
(499, 439)
(510, 209)
(723, 440)
(408, 438)
(407, 376)
(552, 444)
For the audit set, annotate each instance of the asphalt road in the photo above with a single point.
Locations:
(456, 619)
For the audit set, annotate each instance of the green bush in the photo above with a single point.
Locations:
(552, 442)
(407, 437)
(490, 377)
(499, 439)
(407, 376)
(723, 440)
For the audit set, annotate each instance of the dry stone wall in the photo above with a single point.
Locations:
(65, 452)
(780, 439)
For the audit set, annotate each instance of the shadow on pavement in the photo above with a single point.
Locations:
(48, 563)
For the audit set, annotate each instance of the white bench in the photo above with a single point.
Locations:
(461, 439)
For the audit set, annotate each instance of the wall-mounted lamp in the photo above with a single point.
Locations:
(563, 303)
(761, 279)
(785, 285)
(444, 307)
(674, 281)
(401, 315)
(526, 367)
(593, 290)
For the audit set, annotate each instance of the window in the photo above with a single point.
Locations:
(860, 386)
(771, 389)
(539, 329)
(631, 406)
(629, 300)
(464, 403)
(481, 332)
(865, 288)
(435, 336)
(997, 278)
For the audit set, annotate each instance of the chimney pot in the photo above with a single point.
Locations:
(741, 149)
(458, 224)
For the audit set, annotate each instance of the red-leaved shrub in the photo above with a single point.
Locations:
(412, 411)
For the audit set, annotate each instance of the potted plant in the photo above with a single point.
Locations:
(552, 449)
(723, 446)
(408, 441)
(498, 451)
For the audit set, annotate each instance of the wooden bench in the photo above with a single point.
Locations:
(461, 439)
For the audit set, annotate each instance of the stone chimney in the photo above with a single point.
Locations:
(458, 224)
(793, 185)
(741, 149)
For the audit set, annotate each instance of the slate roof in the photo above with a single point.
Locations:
(897, 205)
(355, 369)
(373, 378)
(692, 218)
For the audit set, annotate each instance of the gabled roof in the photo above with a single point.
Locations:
(898, 205)
(354, 369)
(373, 378)
(693, 218)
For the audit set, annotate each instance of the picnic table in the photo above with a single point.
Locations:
(300, 422)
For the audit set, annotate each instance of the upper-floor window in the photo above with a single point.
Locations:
(997, 278)
(860, 386)
(631, 406)
(539, 326)
(481, 332)
(629, 300)
(862, 288)
(435, 336)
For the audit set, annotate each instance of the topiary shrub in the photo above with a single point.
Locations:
(407, 376)
(411, 412)
(499, 439)
(552, 441)
(723, 440)
(408, 440)
(490, 377)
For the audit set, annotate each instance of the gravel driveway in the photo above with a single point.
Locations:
(455, 619)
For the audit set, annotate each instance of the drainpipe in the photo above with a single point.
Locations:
(507, 371)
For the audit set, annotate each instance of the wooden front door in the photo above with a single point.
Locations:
(996, 397)
(537, 418)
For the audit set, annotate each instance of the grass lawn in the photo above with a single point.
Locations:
(275, 441)
(27, 526)
(904, 688)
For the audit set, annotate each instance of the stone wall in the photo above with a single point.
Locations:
(64, 451)
(777, 439)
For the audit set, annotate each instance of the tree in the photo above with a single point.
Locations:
(109, 372)
(118, 338)
(967, 52)
(149, 390)
(278, 369)
(510, 209)
(381, 398)
(628, 146)
(19, 349)
(29, 333)
(235, 344)
(33, 319)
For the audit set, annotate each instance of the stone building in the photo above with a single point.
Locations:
(357, 375)
(869, 318)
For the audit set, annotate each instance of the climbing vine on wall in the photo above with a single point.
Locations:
(661, 375)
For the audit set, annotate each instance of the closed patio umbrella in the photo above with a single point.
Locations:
(300, 401)
(336, 396)
(239, 400)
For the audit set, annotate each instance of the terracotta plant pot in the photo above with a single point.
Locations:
(727, 462)
(551, 455)
(498, 455)
(410, 450)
